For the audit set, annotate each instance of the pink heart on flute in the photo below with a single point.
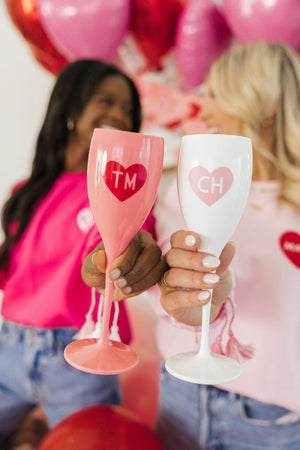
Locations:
(210, 186)
(124, 183)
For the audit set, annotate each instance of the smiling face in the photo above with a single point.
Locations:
(217, 120)
(110, 106)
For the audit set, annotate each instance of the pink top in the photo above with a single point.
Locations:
(267, 295)
(43, 287)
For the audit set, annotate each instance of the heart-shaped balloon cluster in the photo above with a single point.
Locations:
(198, 31)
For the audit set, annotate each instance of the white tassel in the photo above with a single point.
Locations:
(97, 331)
(89, 324)
(114, 331)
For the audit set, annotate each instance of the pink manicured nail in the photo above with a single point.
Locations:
(121, 283)
(127, 290)
(114, 274)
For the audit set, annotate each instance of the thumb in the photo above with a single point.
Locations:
(99, 260)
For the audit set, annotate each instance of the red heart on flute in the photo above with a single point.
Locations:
(124, 183)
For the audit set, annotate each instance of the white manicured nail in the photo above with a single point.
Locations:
(210, 261)
(211, 278)
(203, 295)
(190, 240)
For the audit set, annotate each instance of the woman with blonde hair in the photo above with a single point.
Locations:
(253, 91)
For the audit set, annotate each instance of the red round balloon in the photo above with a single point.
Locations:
(153, 26)
(101, 427)
(26, 17)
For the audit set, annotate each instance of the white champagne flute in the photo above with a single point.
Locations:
(214, 178)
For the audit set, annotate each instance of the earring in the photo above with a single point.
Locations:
(267, 122)
(70, 124)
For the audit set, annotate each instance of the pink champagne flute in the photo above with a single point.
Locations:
(123, 175)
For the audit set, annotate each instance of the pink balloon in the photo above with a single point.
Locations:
(202, 35)
(268, 20)
(86, 28)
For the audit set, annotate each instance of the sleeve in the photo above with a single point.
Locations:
(2, 279)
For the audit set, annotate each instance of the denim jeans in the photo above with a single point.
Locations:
(33, 371)
(194, 417)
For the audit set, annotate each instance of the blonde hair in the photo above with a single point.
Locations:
(257, 82)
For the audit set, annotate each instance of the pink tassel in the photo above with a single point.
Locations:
(217, 346)
(234, 349)
(238, 351)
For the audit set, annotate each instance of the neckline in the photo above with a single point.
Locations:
(266, 187)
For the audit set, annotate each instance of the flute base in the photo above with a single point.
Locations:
(94, 356)
(203, 369)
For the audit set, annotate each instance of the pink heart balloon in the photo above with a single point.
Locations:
(254, 20)
(202, 35)
(86, 28)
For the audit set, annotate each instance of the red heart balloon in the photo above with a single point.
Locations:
(153, 26)
(26, 17)
(290, 245)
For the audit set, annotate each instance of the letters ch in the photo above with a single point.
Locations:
(208, 184)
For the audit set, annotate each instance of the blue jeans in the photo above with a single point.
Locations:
(194, 417)
(33, 371)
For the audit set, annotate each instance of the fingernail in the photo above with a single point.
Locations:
(233, 244)
(203, 295)
(210, 261)
(114, 274)
(127, 290)
(120, 283)
(190, 240)
(97, 258)
(211, 278)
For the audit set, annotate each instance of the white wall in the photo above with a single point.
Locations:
(24, 92)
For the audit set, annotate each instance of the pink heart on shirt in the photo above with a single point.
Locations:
(124, 183)
(290, 245)
(210, 186)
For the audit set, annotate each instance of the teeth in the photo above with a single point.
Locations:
(108, 127)
(213, 130)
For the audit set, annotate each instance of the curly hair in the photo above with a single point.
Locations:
(73, 89)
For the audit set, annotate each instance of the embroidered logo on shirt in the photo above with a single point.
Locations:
(290, 245)
(85, 220)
